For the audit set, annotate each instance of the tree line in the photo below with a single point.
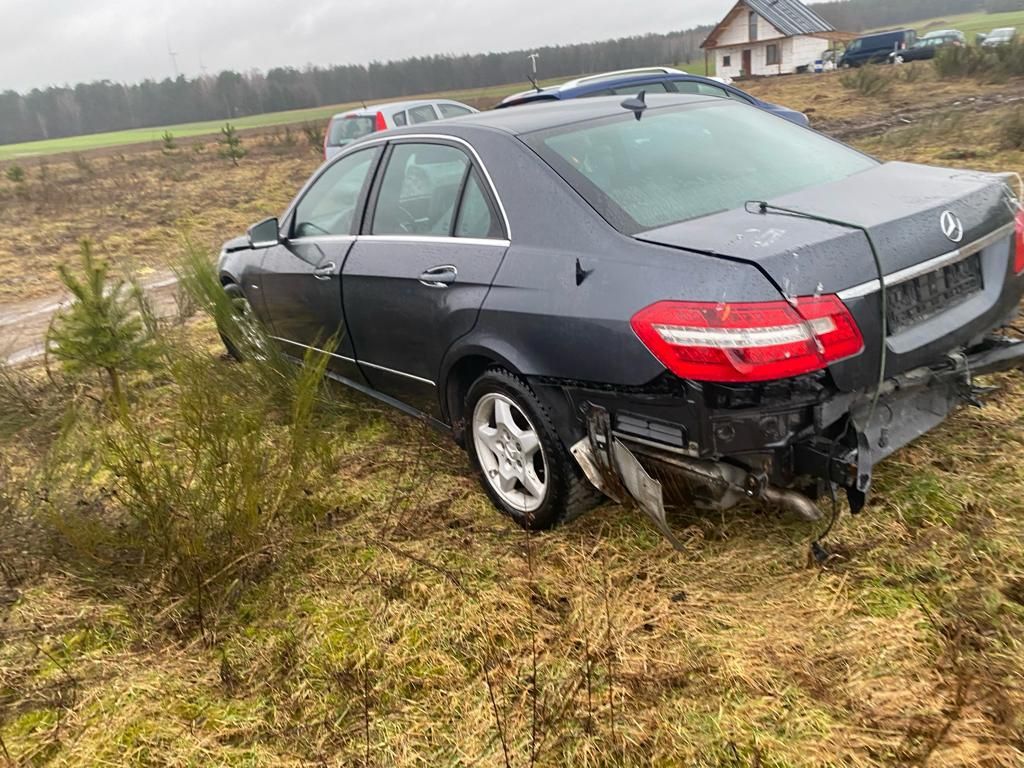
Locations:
(66, 110)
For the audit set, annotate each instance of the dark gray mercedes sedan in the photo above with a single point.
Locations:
(600, 296)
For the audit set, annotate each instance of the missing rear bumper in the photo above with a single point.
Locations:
(837, 444)
(616, 471)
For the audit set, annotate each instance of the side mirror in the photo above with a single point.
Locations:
(264, 234)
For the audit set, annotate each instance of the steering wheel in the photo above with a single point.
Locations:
(406, 221)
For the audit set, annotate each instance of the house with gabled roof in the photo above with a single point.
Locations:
(769, 37)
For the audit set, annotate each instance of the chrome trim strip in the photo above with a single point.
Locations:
(397, 373)
(317, 349)
(357, 362)
(444, 137)
(434, 239)
(323, 239)
(903, 275)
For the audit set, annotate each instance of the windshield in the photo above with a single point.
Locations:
(682, 163)
(350, 128)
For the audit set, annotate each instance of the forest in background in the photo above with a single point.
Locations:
(67, 110)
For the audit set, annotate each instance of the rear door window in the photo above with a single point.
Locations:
(345, 130)
(633, 90)
(420, 190)
(476, 216)
(452, 110)
(422, 114)
(701, 89)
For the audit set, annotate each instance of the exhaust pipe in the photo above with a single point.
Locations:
(613, 469)
(794, 502)
(721, 486)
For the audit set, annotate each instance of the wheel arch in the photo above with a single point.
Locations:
(466, 363)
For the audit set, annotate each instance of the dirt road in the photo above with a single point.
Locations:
(23, 325)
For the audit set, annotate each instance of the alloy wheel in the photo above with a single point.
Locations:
(510, 453)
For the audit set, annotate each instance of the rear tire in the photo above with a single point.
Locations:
(524, 467)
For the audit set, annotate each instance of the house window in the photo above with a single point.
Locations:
(752, 25)
(772, 54)
(727, 61)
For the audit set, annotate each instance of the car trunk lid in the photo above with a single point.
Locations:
(946, 274)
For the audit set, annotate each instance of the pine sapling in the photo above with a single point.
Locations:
(231, 144)
(106, 329)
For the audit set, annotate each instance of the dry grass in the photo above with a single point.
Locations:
(410, 625)
(403, 627)
(133, 205)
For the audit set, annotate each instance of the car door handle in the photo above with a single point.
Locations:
(439, 277)
(325, 272)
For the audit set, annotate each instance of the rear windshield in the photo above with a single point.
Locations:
(683, 163)
(347, 129)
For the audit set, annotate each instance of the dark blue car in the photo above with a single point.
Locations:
(629, 82)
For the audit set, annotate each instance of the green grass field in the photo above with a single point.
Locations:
(477, 96)
(973, 23)
(142, 135)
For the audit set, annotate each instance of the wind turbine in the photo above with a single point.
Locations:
(174, 57)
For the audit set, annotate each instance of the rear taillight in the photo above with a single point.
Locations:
(1018, 243)
(735, 342)
(381, 124)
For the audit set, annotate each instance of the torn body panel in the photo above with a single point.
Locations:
(779, 445)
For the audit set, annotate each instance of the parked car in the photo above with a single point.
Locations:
(1001, 36)
(346, 127)
(594, 294)
(946, 34)
(925, 48)
(875, 48)
(629, 82)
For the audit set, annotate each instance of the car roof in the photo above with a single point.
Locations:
(609, 80)
(393, 106)
(551, 114)
(885, 34)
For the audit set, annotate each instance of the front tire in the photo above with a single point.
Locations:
(523, 465)
(241, 306)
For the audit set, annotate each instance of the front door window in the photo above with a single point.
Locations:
(329, 206)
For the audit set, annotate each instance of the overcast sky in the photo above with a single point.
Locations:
(69, 41)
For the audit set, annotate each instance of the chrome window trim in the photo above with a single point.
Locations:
(357, 362)
(492, 241)
(323, 239)
(435, 239)
(910, 273)
(435, 136)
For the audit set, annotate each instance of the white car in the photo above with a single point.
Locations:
(1001, 36)
(346, 127)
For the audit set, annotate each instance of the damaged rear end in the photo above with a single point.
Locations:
(785, 400)
(893, 281)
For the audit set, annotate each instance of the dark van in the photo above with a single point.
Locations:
(875, 48)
